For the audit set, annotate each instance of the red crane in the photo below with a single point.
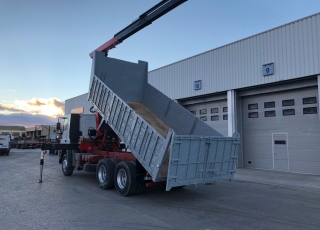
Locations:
(144, 20)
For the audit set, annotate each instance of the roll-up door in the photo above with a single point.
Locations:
(214, 113)
(281, 131)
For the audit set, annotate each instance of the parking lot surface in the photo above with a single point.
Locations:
(77, 202)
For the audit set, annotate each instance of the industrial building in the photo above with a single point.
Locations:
(13, 131)
(265, 87)
(47, 131)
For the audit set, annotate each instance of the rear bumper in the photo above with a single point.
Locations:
(4, 150)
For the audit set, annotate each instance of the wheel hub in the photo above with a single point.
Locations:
(121, 178)
(64, 164)
(102, 172)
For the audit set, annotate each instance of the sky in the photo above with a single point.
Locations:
(45, 45)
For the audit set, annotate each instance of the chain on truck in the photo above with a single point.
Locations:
(138, 137)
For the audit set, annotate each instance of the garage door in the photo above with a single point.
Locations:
(214, 114)
(281, 131)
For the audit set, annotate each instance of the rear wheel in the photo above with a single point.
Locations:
(7, 153)
(105, 173)
(141, 188)
(66, 169)
(115, 160)
(125, 181)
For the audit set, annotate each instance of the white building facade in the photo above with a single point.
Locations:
(266, 87)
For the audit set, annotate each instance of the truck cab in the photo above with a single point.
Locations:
(4, 144)
(74, 126)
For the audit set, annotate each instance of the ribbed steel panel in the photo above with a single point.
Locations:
(300, 131)
(294, 49)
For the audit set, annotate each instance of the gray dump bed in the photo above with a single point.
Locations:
(170, 142)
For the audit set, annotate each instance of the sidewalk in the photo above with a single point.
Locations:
(279, 179)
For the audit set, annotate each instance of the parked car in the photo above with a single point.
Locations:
(4, 144)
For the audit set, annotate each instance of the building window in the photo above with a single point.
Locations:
(288, 102)
(215, 118)
(204, 118)
(309, 100)
(270, 104)
(288, 112)
(271, 113)
(225, 109)
(215, 110)
(253, 115)
(15, 134)
(203, 111)
(252, 106)
(225, 117)
(310, 110)
(193, 112)
(280, 142)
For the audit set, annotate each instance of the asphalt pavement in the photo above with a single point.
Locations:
(255, 199)
(295, 181)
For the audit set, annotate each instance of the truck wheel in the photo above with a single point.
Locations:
(125, 178)
(7, 153)
(67, 171)
(115, 160)
(105, 173)
(141, 188)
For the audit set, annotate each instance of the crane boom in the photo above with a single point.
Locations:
(144, 20)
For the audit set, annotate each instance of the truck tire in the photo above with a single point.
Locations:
(7, 153)
(115, 160)
(105, 173)
(125, 178)
(141, 188)
(66, 169)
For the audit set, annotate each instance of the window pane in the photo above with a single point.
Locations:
(252, 106)
(311, 110)
(203, 118)
(288, 102)
(270, 104)
(203, 111)
(225, 109)
(225, 117)
(270, 113)
(215, 110)
(193, 112)
(288, 112)
(215, 118)
(253, 115)
(280, 142)
(309, 100)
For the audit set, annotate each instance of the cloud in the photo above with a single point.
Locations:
(35, 102)
(50, 107)
(12, 90)
(10, 109)
(58, 104)
(27, 120)
(33, 112)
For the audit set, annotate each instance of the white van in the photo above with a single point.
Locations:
(4, 144)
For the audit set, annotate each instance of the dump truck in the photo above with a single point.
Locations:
(137, 137)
